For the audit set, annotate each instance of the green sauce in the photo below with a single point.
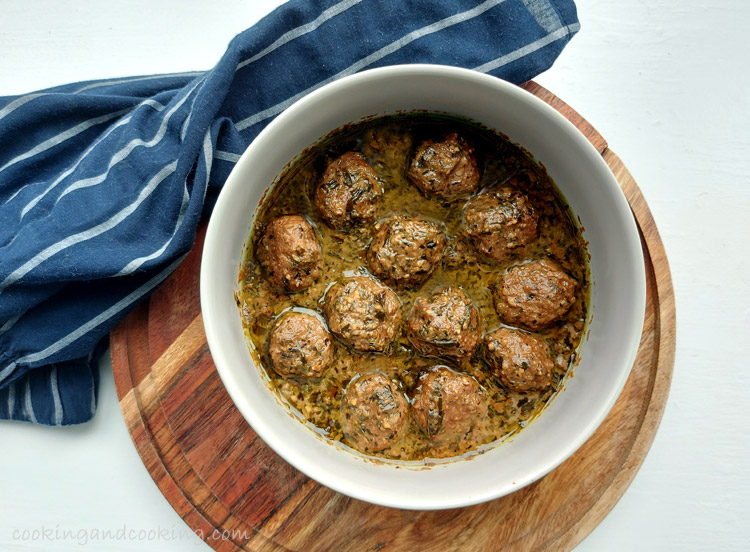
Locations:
(387, 144)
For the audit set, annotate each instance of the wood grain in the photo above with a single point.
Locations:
(238, 494)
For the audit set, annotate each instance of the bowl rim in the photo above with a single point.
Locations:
(212, 241)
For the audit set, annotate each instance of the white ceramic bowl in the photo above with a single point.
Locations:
(617, 298)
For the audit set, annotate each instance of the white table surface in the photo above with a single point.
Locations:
(666, 82)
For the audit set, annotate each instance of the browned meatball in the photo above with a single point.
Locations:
(405, 249)
(290, 253)
(446, 169)
(445, 323)
(534, 295)
(520, 361)
(447, 404)
(300, 345)
(363, 313)
(348, 192)
(498, 221)
(374, 412)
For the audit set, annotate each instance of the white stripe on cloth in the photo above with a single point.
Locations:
(135, 264)
(11, 399)
(137, 79)
(127, 150)
(190, 111)
(297, 32)
(372, 58)
(63, 136)
(544, 13)
(9, 324)
(90, 233)
(14, 194)
(18, 102)
(28, 406)
(57, 402)
(529, 48)
(5, 372)
(30, 205)
(82, 330)
(227, 156)
(208, 154)
(185, 124)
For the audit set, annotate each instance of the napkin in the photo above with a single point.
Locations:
(103, 183)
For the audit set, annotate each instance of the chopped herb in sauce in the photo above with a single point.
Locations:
(426, 249)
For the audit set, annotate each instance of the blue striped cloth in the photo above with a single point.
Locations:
(103, 183)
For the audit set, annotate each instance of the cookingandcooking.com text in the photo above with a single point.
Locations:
(83, 536)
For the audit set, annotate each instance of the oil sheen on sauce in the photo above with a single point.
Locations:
(387, 144)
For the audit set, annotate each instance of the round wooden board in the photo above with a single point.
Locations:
(236, 493)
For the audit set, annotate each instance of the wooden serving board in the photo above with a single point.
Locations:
(236, 493)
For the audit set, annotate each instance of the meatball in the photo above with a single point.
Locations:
(445, 323)
(459, 252)
(363, 313)
(290, 253)
(374, 412)
(300, 345)
(498, 221)
(447, 404)
(405, 249)
(520, 361)
(348, 192)
(535, 294)
(446, 169)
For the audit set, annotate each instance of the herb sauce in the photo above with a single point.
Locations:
(387, 144)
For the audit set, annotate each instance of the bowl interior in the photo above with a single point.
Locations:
(617, 294)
